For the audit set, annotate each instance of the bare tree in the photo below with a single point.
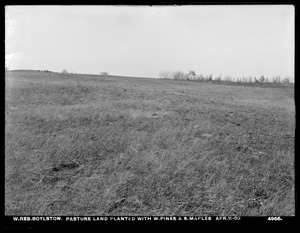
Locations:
(191, 75)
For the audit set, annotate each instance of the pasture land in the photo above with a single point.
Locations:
(106, 145)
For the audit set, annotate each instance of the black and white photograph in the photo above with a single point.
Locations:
(139, 112)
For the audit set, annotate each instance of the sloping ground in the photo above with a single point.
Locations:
(96, 145)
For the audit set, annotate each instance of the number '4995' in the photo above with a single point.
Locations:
(274, 218)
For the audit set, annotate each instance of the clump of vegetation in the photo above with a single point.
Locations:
(177, 75)
(286, 80)
(218, 79)
(277, 79)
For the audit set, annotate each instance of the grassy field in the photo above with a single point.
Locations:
(107, 145)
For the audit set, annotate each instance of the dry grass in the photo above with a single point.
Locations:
(97, 145)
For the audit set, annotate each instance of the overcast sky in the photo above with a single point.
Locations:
(143, 40)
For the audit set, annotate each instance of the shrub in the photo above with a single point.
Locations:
(209, 77)
(228, 78)
(277, 79)
(165, 75)
(286, 80)
(267, 80)
(199, 77)
(244, 79)
(179, 75)
(218, 79)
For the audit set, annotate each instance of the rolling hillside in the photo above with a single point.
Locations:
(108, 145)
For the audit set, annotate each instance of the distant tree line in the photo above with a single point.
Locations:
(64, 71)
(191, 75)
(46, 71)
